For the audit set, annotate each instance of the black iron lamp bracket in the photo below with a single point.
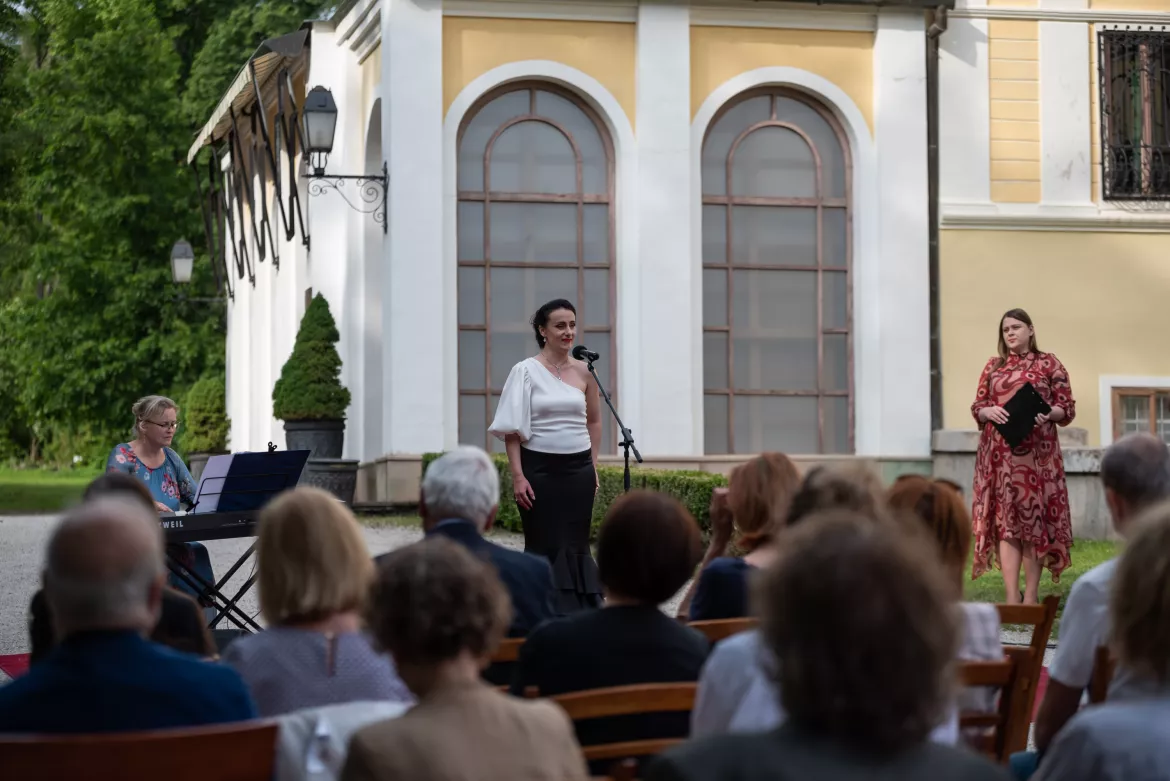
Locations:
(368, 194)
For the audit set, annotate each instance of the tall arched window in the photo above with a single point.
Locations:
(535, 222)
(777, 342)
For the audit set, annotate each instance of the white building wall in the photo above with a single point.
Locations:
(413, 327)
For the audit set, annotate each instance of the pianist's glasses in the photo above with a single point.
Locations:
(164, 426)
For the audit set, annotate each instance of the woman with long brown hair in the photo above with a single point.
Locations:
(755, 504)
(1020, 510)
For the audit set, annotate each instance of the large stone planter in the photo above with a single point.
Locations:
(335, 475)
(322, 438)
(197, 461)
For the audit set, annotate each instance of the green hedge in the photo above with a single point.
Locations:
(691, 488)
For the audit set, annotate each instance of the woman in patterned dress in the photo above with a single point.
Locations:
(149, 458)
(1020, 509)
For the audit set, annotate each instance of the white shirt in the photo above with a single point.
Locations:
(548, 414)
(736, 695)
(1083, 627)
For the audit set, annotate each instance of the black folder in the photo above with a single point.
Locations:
(1022, 410)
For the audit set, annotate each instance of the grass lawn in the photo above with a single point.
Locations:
(1085, 555)
(34, 491)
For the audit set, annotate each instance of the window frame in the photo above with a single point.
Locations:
(608, 365)
(1115, 125)
(729, 201)
(1150, 393)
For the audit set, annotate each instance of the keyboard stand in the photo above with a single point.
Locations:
(227, 608)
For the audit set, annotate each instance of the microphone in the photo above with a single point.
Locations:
(583, 353)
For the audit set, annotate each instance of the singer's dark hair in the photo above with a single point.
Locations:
(540, 319)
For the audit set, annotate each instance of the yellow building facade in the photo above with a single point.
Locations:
(737, 197)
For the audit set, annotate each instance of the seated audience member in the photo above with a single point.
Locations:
(314, 576)
(180, 625)
(754, 504)
(1135, 472)
(1128, 739)
(938, 506)
(647, 547)
(854, 614)
(104, 581)
(459, 499)
(441, 611)
(736, 693)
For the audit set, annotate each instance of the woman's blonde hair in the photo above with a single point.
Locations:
(312, 559)
(1140, 599)
(758, 495)
(148, 408)
(839, 486)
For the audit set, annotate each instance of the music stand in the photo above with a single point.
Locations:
(244, 482)
(238, 483)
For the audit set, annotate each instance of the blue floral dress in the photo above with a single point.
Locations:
(170, 484)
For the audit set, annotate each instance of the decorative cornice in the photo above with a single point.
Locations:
(1079, 219)
(1086, 16)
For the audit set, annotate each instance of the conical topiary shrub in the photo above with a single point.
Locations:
(309, 396)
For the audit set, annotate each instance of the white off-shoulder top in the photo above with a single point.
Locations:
(547, 414)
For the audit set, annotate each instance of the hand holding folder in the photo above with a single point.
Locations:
(1022, 410)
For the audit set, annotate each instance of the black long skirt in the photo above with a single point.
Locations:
(557, 526)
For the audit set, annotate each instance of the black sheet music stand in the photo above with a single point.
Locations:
(251, 481)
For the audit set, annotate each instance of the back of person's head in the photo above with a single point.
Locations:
(1135, 470)
(647, 547)
(844, 486)
(312, 559)
(461, 484)
(434, 601)
(940, 509)
(759, 494)
(120, 485)
(1140, 600)
(181, 625)
(104, 568)
(854, 611)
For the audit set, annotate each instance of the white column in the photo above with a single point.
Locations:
(964, 113)
(1065, 125)
(668, 421)
(415, 313)
(903, 291)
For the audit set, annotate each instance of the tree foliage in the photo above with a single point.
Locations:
(205, 420)
(310, 386)
(95, 121)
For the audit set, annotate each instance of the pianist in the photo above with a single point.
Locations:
(149, 457)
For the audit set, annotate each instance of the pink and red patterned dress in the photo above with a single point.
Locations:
(1021, 494)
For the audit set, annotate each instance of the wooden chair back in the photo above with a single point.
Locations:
(999, 725)
(1041, 618)
(628, 701)
(722, 628)
(235, 752)
(1104, 665)
(508, 651)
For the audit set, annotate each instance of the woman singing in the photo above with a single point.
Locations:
(1020, 506)
(549, 417)
(149, 458)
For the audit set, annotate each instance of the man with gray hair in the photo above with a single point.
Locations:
(103, 579)
(459, 499)
(1135, 473)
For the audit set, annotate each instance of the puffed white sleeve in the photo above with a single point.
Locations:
(514, 412)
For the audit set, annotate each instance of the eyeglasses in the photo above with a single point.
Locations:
(165, 426)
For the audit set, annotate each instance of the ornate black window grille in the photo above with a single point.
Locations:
(1134, 71)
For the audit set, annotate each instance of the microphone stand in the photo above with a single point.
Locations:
(627, 443)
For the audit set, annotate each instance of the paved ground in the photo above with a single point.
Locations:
(22, 544)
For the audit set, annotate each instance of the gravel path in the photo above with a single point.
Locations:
(23, 539)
